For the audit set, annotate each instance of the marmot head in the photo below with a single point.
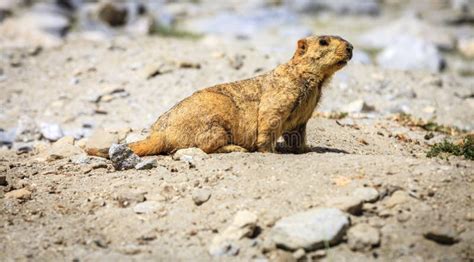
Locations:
(322, 54)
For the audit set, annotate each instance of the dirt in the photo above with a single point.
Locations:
(85, 212)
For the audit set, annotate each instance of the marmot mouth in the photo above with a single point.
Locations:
(342, 62)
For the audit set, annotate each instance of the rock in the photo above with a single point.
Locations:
(48, 18)
(113, 14)
(369, 7)
(357, 106)
(126, 199)
(63, 148)
(52, 132)
(351, 205)
(22, 148)
(363, 237)
(26, 130)
(142, 26)
(397, 198)
(122, 157)
(243, 225)
(366, 194)
(146, 164)
(409, 53)
(466, 47)
(7, 137)
(146, 207)
(200, 196)
(22, 194)
(190, 154)
(311, 229)
(442, 235)
(101, 139)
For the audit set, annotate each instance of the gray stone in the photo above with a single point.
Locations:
(201, 196)
(190, 154)
(51, 131)
(147, 207)
(122, 157)
(243, 225)
(366, 194)
(363, 237)
(442, 235)
(351, 205)
(310, 230)
(146, 164)
(409, 53)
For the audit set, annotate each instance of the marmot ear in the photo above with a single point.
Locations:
(302, 47)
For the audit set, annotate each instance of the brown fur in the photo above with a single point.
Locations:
(250, 115)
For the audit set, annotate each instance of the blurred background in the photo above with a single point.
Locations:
(431, 35)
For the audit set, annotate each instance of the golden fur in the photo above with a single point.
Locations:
(250, 115)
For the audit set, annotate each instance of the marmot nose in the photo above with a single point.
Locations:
(349, 50)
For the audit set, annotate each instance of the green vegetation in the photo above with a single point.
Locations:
(465, 148)
(166, 31)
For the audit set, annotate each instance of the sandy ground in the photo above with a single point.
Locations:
(85, 211)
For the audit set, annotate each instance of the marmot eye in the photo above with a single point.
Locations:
(323, 42)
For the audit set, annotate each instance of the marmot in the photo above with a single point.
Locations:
(250, 115)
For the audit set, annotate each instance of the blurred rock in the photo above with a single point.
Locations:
(7, 137)
(26, 130)
(357, 106)
(407, 27)
(50, 131)
(43, 25)
(310, 230)
(101, 139)
(141, 26)
(370, 7)
(244, 25)
(113, 14)
(408, 53)
(466, 47)
(62, 148)
(122, 157)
